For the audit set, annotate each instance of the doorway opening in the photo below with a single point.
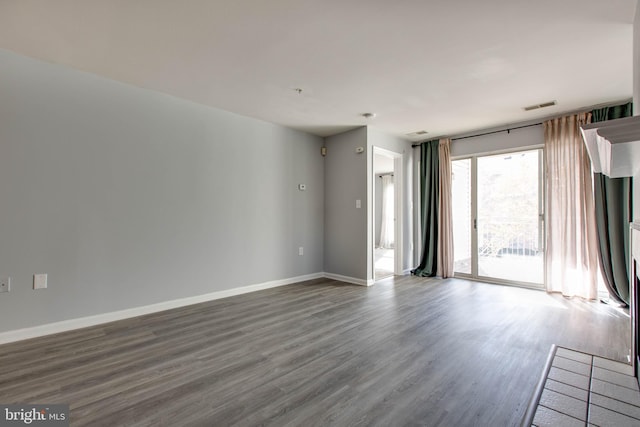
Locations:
(498, 217)
(387, 229)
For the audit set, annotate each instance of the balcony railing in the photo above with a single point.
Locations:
(508, 238)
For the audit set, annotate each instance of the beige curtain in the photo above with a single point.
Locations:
(445, 223)
(387, 221)
(571, 253)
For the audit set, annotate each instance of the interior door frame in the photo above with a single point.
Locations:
(398, 190)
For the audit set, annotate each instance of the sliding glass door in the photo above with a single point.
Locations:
(498, 217)
(462, 212)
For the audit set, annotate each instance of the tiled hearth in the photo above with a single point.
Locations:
(581, 389)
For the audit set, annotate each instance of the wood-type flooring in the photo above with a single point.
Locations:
(406, 351)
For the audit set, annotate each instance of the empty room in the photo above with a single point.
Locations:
(319, 213)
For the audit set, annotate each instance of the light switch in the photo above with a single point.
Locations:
(358, 204)
(39, 281)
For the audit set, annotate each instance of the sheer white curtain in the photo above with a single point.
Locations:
(386, 220)
(571, 253)
(445, 223)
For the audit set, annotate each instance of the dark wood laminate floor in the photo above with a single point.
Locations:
(407, 351)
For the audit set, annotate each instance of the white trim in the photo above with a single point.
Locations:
(83, 322)
(398, 170)
(347, 279)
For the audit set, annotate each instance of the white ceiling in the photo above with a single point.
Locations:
(446, 67)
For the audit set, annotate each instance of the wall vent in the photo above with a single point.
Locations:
(543, 105)
(418, 133)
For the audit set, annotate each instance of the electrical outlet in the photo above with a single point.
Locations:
(301, 251)
(39, 281)
(5, 284)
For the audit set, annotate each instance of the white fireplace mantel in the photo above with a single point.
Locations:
(614, 146)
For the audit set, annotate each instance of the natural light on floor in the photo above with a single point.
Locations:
(384, 262)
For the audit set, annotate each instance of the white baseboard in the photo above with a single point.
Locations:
(348, 279)
(83, 322)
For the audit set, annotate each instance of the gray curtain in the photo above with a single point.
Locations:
(612, 198)
(429, 164)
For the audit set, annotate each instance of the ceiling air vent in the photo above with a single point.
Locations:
(418, 133)
(543, 105)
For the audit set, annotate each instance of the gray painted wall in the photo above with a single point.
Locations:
(345, 239)
(513, 140)
(127, 197)
(377, 138)
(349, 176)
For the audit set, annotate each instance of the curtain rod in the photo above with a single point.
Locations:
(488, 133)
(383, 174)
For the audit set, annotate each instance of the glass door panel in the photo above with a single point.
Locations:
(462, 215)
(509, 217)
